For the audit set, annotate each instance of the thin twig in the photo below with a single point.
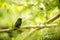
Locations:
(28, 27)
(39, 26)
(53, 19)
(5, 30)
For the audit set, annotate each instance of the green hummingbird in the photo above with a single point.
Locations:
(18, 23)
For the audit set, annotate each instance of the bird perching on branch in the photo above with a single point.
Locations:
(18, 23)
(16, 26)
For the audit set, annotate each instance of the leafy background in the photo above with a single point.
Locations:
(33, 12)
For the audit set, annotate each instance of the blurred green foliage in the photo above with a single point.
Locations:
(32, 12)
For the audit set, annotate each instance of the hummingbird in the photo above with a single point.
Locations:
(17, 24)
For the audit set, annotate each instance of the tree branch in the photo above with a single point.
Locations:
(5, 30)
(33, 26)
(39, 26)
(53, 19)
